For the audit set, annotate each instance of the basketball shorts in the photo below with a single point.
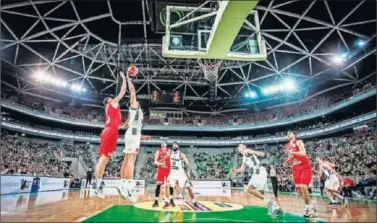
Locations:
(108, 141)
(333, 183)
(177, 177)
(302, 174)
(259, 180)
(162, 175)
(132, 142)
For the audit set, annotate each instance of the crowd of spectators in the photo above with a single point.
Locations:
(354, 156)
(77, 151)
(112, 169)
(300, 128)
(93, 114)
(148, 171)
(21, 156)
(213, 166)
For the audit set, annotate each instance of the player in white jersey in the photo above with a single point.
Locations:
(132, 140)
(178, 178)
(258, 181)
(332, 183)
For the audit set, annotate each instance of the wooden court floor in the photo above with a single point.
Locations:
(75, 206)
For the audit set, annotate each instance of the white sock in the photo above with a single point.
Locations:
(341, 197)
(130, 183)
(123, 182)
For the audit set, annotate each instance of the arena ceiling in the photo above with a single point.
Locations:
(84, 42)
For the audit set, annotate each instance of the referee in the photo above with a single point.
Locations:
(274, 181)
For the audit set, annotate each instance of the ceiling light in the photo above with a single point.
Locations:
(253, 94)
(338, 59)
(361, 43)
(39, 75)
(289, 85)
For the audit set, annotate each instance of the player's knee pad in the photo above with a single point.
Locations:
(158, 189)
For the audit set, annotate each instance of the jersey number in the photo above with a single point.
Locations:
(134, 131)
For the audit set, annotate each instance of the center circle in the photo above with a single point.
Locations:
(186, 206)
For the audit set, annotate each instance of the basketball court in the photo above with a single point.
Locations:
(83, 206)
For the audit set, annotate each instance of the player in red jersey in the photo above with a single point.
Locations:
(301, 169)
(109, 136)
(162, 160)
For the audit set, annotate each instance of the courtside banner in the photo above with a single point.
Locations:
(50, 183)
(210, 184)
(115, 183)
(16, 184)
(51, 197)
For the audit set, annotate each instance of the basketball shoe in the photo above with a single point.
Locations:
(273, 208)
(125, 190)
(98, 190)
(309, 211)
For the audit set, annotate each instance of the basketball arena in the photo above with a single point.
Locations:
(188, 111)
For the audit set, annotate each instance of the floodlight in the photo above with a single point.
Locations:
(361, 43)
(253, 94)
(289, 85)
(338, 59)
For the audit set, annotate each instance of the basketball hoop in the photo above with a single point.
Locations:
(210, 68)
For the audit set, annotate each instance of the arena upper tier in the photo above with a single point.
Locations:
(247, 120)
(335, 118)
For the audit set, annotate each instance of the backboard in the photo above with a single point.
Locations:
(222, 32)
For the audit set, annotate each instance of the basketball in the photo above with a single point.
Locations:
(132, 70)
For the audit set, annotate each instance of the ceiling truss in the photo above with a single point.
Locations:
(100, 58)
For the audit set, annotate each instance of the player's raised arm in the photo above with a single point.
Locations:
(241, 169)
(131, 87)
(123, 89)
(253, 152)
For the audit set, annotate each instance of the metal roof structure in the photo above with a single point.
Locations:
(84, 42)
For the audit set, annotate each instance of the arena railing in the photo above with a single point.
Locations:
(207, 128)
(347, 124)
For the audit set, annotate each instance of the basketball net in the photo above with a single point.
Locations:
(210, 68)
